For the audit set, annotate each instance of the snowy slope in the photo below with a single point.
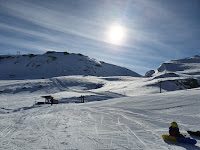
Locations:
(181, 67)
(178, 74)
(120, 113)
(54, 64)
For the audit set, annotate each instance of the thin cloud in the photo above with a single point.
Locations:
(51, 19)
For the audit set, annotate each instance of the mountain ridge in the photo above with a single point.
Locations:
(177, 74)
(182, 67)
(54, 64)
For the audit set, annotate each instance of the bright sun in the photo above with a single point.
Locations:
(116, 34)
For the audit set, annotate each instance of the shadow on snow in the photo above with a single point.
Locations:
(186, 146)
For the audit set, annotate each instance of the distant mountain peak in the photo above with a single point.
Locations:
(185, 66)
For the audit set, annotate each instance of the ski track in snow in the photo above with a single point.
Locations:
(121, 123)
(104, 129)
(81, 127)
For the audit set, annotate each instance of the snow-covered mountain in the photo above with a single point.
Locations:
(180, 67)
(178, 74)
(54, 64)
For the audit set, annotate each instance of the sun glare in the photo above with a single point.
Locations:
(116, 34)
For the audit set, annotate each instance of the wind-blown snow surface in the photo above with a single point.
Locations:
(120, 113)
(54, 64)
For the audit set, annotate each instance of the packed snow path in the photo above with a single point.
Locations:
(135, 123)
(71, 127)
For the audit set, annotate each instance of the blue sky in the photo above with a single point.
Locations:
(156, 30)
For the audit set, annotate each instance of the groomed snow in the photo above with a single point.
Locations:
(120, 113)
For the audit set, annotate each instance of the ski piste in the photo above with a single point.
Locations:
(179, 140)
(194, 133)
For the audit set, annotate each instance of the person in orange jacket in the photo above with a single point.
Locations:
(174, 130)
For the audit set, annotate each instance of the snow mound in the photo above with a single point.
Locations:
(54, 64)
